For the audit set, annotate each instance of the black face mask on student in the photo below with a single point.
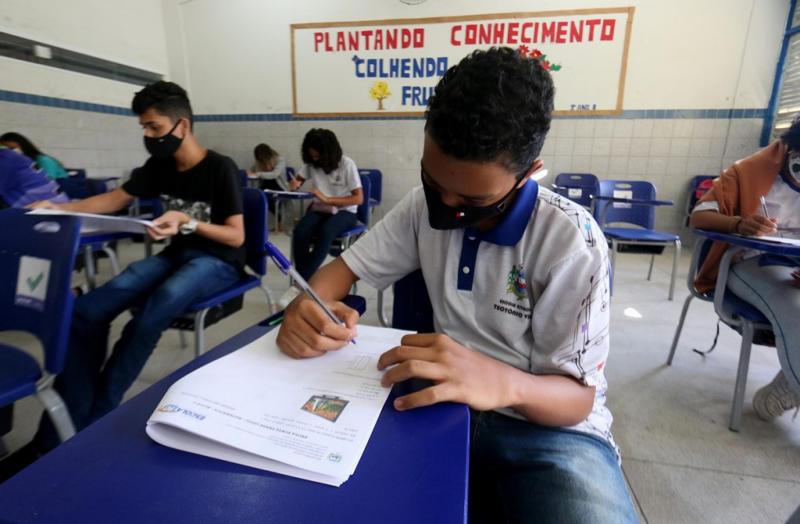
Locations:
(442, 216)
(163, 146)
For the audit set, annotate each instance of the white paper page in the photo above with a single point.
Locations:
(291, 193)
(91, 222)
(316, 414)
(780, 240)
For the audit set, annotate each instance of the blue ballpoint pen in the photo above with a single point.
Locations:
(287, 269)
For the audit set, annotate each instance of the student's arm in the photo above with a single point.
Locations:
(755, 225)
(483, 383)
(101, 204)
(356, 198)
(231, 233)
(306, 330)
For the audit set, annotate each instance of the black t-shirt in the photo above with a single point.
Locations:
(208, 192)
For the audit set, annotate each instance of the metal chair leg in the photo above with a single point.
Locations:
(88, 266)
(112, 257)
(199, 332)
(650, 271)
(676, 255)
(741, 376)
(57, 411)
(381, 312)
(268, 295)
(182, 338)
(679, 329)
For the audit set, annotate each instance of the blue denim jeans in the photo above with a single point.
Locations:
(313, 236)
(523, 472)
(162, 287)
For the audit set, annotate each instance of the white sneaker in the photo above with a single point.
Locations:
(775, 398)
(287, 297)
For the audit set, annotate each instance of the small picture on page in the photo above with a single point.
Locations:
(326, 407)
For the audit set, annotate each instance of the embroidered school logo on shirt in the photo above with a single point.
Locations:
(516, 283)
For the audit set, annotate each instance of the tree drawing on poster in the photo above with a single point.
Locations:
(391, 67)
(380, 92)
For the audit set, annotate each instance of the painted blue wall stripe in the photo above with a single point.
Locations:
(48, 101)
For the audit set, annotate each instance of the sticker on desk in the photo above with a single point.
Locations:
(32, 279)
(618, 193)
(574, 192)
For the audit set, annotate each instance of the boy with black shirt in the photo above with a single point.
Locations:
(202, 198)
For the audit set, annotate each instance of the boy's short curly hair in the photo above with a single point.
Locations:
(167, 98)
(493, 106)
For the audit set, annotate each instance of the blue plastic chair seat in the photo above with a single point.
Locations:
(742, 309)
(638, 235)
(18, 374)
(239, 288)
(355, 230)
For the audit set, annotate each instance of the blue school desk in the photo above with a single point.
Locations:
(413, 470)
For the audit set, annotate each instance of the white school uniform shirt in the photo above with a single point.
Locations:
(533, 292)
(339, 182)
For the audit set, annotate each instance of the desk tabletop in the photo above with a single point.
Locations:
(414, 469)
(766, 246)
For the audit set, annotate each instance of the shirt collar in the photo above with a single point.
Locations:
(509, 231)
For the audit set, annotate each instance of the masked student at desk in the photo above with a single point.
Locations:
(201, 192)
(518, 279)
(771, 284)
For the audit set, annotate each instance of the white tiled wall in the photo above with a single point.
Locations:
(103, 144)
(667, 152)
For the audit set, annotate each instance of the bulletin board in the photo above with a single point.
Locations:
(390, 67)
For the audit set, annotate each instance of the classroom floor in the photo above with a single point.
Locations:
(681, 461)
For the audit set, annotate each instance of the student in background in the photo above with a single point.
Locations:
(21, 184)
(337, 190)
(770, 283)
(51, 167)
(269, 168)
(201, 192)
(518, 281)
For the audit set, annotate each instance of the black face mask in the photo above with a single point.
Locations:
(442, 216)
(163, 146)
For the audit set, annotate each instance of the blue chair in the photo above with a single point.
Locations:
(633, 203)
(581, 188)
(411, 305)
(36, 297)
(226, 302)
(375, 187)
(363, 212)
(731, 310)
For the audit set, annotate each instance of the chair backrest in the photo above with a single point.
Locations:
(578, 187)
(606, 212)
(75, 172)
(36, 257)
(376, 184)
(80, 187)
(412, 308)
(698, 186)
(256, 232)
(363, 210)
(243, 177)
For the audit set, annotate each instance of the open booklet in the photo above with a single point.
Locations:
(306, 418)
(91, 222)
(296, 194)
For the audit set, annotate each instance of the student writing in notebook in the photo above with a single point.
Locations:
(757, 196)
(201, 192)
(337, 190)
(518, 280)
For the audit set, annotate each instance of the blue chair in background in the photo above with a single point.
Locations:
(578, 187)
(411, 305)
(633, 203)
(223, 304)
(732, 310)
(36, 297)
(363, 212)
(375, 186)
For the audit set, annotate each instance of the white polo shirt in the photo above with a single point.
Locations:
(533, 292)
(338, 183)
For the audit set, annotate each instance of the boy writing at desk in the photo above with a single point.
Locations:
(518, 279)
